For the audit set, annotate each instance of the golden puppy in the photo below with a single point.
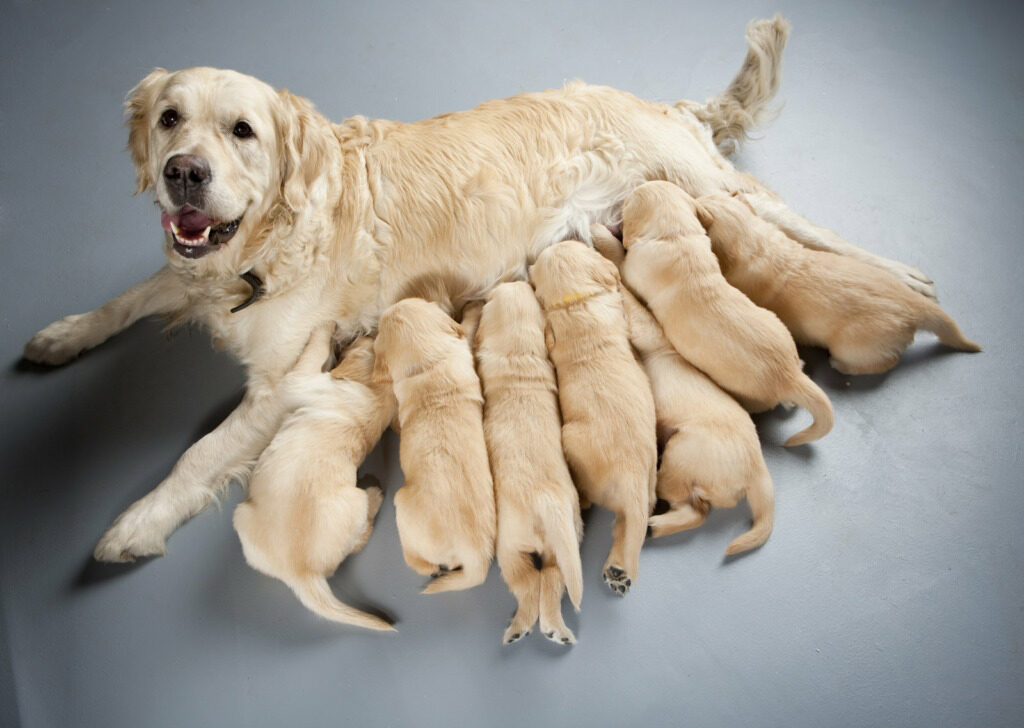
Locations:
(862, 314)
(742, 347)
(304, 513)
(711, 456)
(608, 430)
(445, 510)
(538, 509)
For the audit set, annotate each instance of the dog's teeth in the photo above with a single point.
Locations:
(176, 230)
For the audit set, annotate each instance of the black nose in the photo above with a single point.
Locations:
(185, 175)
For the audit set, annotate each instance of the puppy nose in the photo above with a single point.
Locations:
(186, 170)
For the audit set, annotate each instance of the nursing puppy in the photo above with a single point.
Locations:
(538, 509)
(742, 347)
(711, 456)
(445, 511)
(863, 315)
(608, 430)
(304, 513)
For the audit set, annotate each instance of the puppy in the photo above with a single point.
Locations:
(608, 430)
(862, 314)
(538, 509)
(745, 349)
(711, 456)
(304, 513)
(445, 511)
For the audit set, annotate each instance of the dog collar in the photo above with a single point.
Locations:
(572, 299)
(257, 290)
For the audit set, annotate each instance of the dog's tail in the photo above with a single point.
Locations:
(808, 395)
(315, 593)
(559, 523)
(942, 325)
(761, 499)
(472, 573)
(744, 104)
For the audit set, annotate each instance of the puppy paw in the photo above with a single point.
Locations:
(514, 633)
(560, 635)
(60, 342)
(128, 538)
(915, 278)
(617, 580)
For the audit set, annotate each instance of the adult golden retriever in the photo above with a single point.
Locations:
(337, 221)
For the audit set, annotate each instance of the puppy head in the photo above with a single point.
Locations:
(725, 215)
(221, 151)
(414, 335)
(658, 210)
(512, 321)
(358, 361)
(569, 271)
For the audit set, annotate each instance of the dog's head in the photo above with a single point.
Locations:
(512, 321)
(568, 272)
(658, 210)
(223, 152)
(414, 335)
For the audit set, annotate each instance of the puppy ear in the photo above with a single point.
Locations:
(704, 215)
(137, 106)
(303, 148)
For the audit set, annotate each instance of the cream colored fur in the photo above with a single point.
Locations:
(445, 511)
(745, 349)
(342, 219)
(711, 456)
(862, 314)
(538, 509)
(608, 420)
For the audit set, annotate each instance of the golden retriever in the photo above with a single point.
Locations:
(745, 349)
(711, 456)
(304, 513)
(445, 511)
(608, 419)
(333, 221)
(538, 509)
(862, 314)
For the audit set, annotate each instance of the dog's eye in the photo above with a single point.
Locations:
(242, 130)
(169, 118)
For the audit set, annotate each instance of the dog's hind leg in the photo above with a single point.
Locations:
(524, 581)
(628, 533)
(552, 587)
(681, 517)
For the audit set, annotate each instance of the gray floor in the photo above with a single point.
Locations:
(891, 592)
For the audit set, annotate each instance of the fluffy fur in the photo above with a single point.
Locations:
(340, 220)
(745, 349)
(862, 314)
(711, 456)
(304, 514)
(608, 430)
(445, 511)
(538, 509)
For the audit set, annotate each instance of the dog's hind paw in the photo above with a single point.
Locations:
(617, 580)
(560, 635)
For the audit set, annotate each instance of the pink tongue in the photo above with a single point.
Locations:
(190, 221)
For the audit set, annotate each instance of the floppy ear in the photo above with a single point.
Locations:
(704, 215)
(303, 148)
(137, 107)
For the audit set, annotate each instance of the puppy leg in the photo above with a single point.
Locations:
(680, 517)
(524, 581)
(628, 533)
(63, 340)
(374, 498)
(551, 589)
(853, 354)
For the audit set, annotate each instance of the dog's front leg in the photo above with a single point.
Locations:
(770, 208)
(201, 474)
(62, 341)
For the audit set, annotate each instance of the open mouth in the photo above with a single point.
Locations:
(195, 234)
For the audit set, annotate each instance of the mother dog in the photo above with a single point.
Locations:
(276, 220)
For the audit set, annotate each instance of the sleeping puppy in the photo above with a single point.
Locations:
(608, 430)
(745, 349)
(538, 509)
(863, 315)
(711, 456)
(445, 511)
(304, 513)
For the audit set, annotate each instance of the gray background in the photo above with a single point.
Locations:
(891, 592)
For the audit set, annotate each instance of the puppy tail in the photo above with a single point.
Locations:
(942, 325)
(744, 104)
(761, 499)
(471, 574)
(315, 593)
(808, 395)
(559, 523)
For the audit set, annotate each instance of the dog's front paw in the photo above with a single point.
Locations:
(617, 580)
(130, 537)
(60, 342)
